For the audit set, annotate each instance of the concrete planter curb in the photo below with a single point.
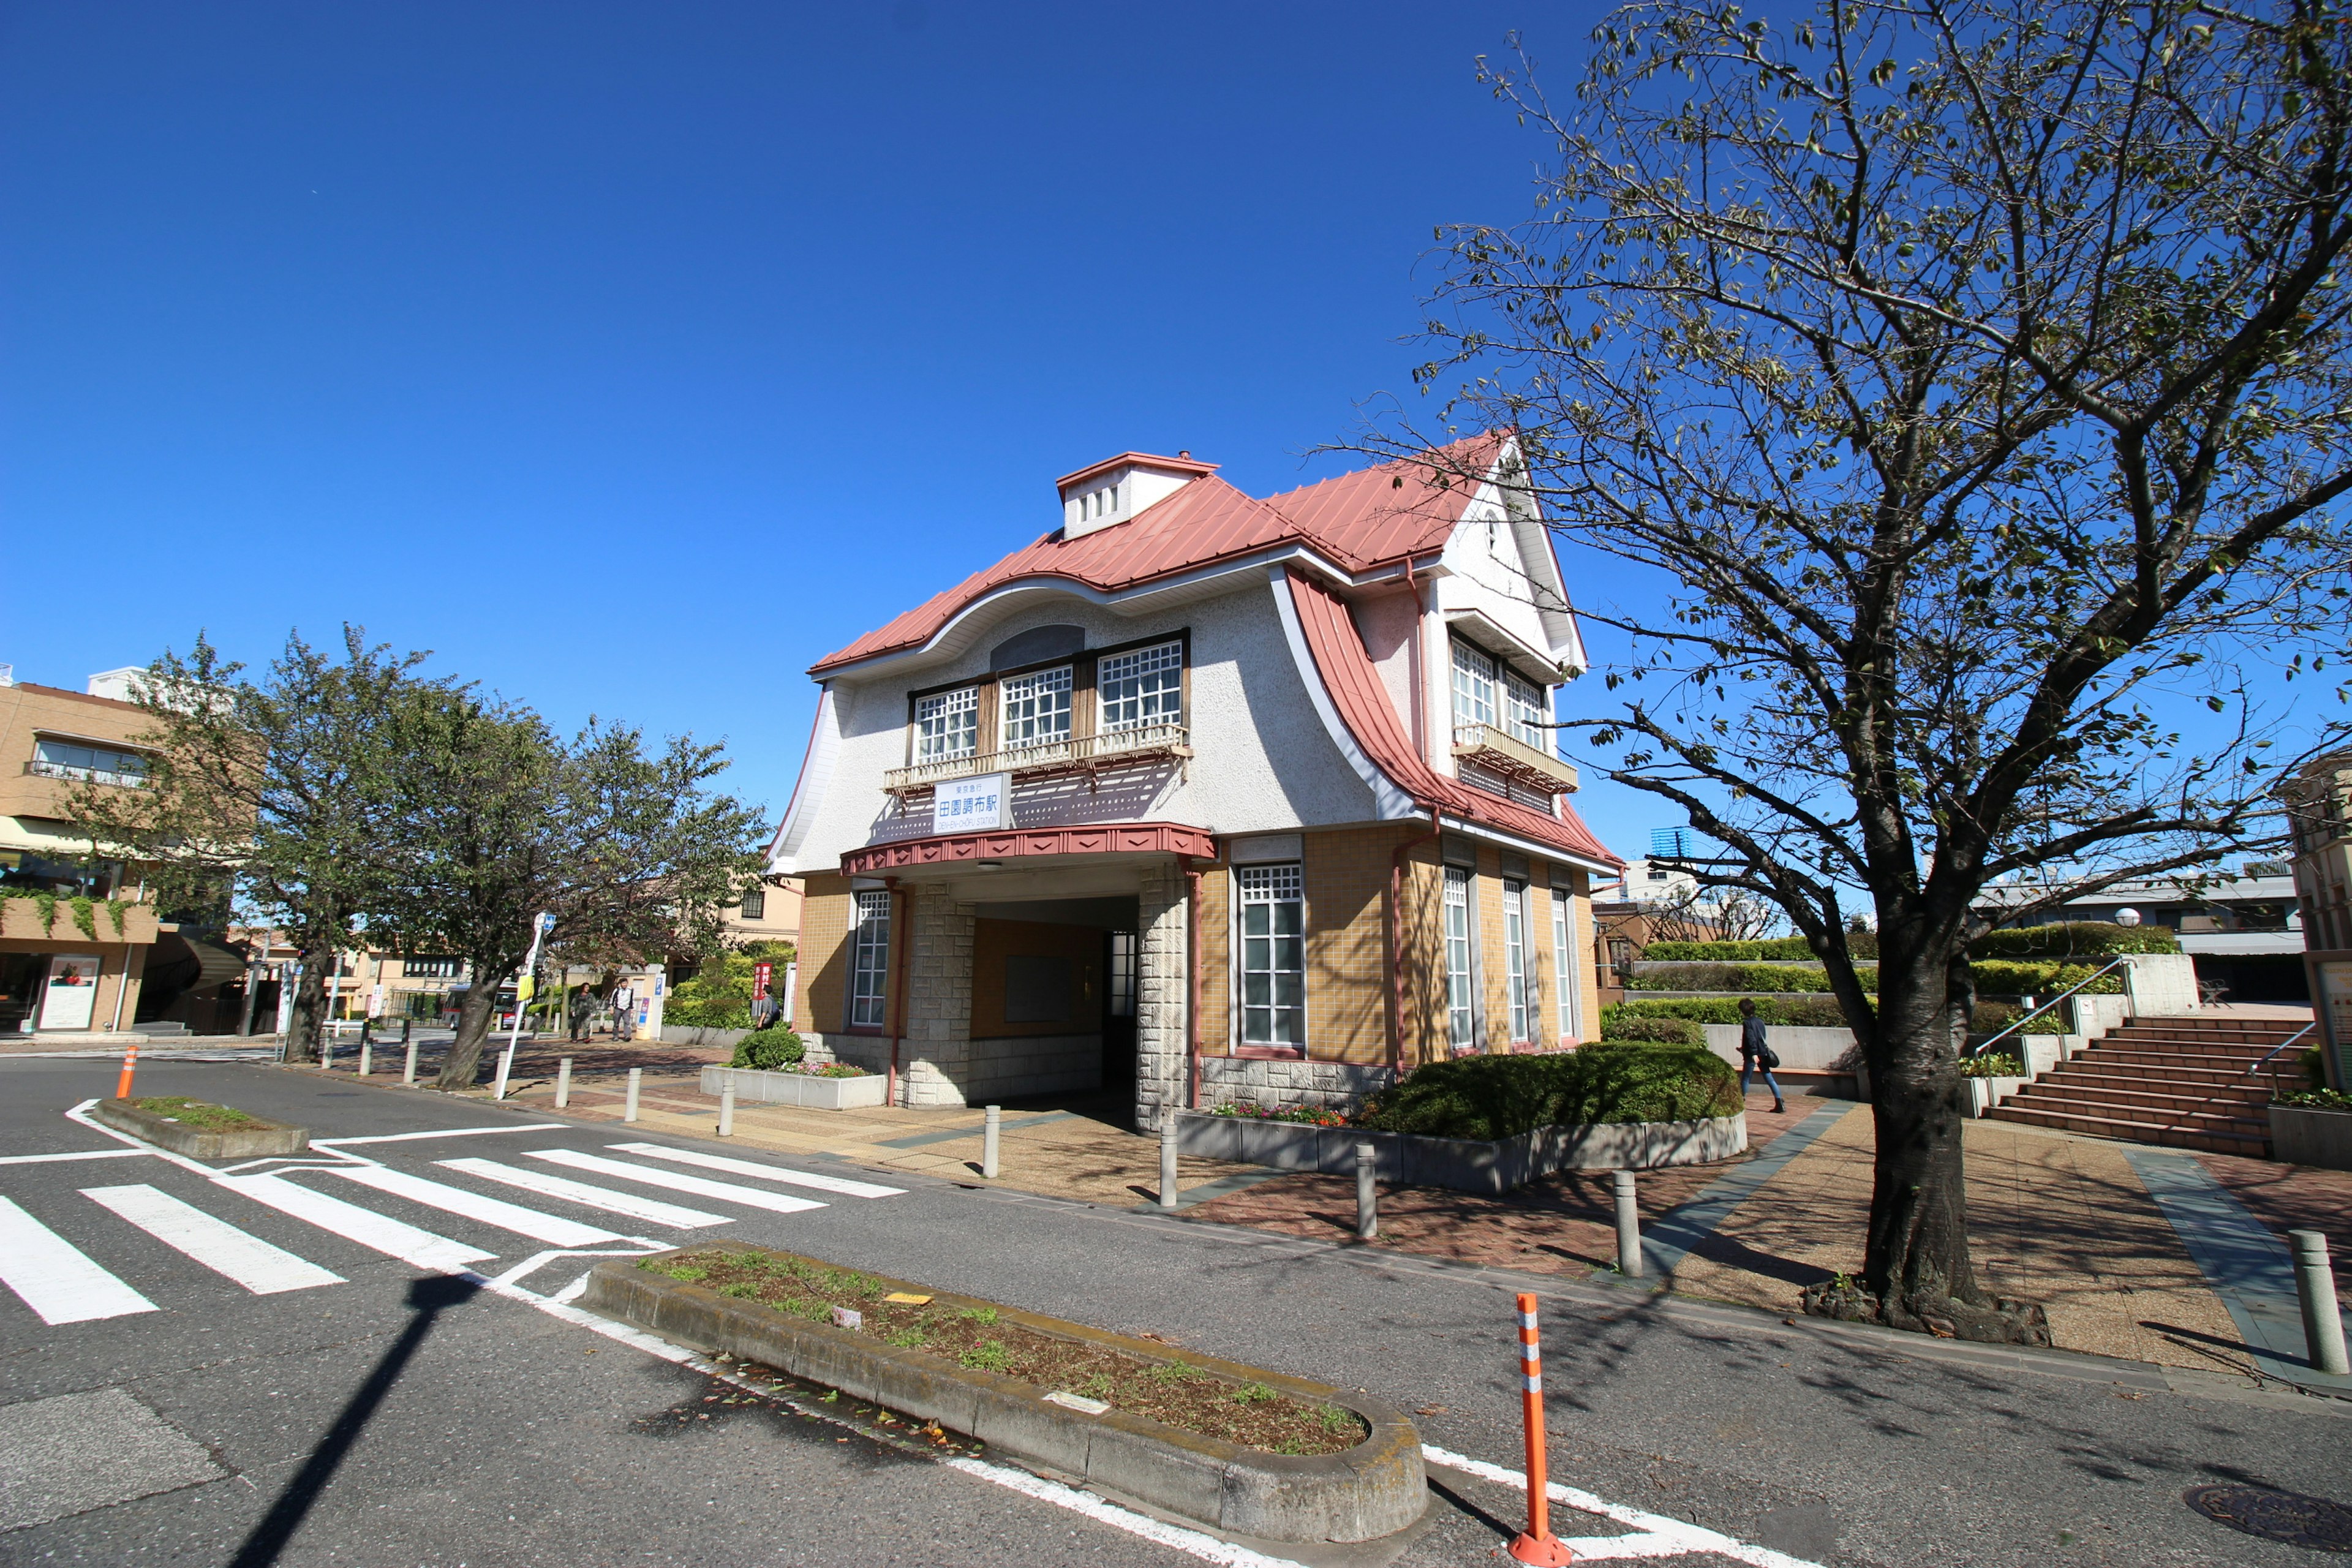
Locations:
(2306, 1135)
(253, 1143)
(1461, 1165)
(1373, 1489)
(753, 1086)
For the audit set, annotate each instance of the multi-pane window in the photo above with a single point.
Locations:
(869, 960)
(1473, 686)
(947, 724)
(1524, 710)
(1122, 974)
(1515, 956)
(1460, 1015)
(1146, 687)
(1036, 709)
(755, 904)
(1273, 955)
(430, 968)
(98, 764)
(1563, 961)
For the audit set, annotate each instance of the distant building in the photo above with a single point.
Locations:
(2241, 926)
(2319, 802)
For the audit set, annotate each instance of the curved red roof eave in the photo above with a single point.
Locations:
(1363, 705)
(1374, 518)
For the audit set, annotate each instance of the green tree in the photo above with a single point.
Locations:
(277, 791)
(501, 820)
(1971, 380)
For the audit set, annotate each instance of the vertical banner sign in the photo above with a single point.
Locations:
(962, 806)
(376, 1001)
(762, 973)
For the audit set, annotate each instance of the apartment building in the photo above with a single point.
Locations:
(1204, 798)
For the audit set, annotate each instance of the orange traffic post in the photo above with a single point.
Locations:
(129, 1065)
(1539, 1545)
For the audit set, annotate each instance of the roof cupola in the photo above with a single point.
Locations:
(1116, 489)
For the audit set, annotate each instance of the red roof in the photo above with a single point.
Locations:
(1364, 706)
(1361, 521)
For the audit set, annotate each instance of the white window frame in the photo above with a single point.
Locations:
(947, 724)
(869, 960)
(1525, 706)
(1034, 709)
(1563, 963)
(1141, 688)
(1519, 972)
(1474, 685)
(1271, 887)
(1461, 939)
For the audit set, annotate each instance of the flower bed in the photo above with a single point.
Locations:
(837, 1086)
(1304, 1115)
(1016, 1381)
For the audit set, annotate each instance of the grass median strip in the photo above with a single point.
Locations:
(200, 1114)
(1251, 1414)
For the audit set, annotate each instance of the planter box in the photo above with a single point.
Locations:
(2303, 1135)
(252, 1143)
(701, 1034)
(1462, 1164)
(1371, 1491)
(753, 1086)
(1984, 1093)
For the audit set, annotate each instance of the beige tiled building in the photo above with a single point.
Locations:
(2319, 802)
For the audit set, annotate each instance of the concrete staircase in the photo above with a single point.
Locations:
(2175, 1081)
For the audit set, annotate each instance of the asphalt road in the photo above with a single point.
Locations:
(392, 1415)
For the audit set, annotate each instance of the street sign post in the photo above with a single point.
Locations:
(539, 927)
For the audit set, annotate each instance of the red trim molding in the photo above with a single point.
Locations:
(1022, 843)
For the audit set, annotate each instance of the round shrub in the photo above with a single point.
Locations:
(770, 1051)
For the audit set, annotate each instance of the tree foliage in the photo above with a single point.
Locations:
(1971, 377)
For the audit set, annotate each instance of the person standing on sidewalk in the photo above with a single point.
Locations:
(624, 1001)
(1755, 1056)
(584, 1009)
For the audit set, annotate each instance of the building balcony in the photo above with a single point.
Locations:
(1498, 751)
(1144, 743)
(41, 769)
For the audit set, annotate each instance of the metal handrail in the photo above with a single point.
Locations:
(2275, 1050)
(2033, 1013)
(1141, 742)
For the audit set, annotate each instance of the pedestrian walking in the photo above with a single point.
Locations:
(583, 1012)
(1755, 1056)
(624, 1002)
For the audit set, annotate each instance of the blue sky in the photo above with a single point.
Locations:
(631, 358)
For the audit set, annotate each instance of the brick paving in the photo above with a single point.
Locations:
(2293, 1197)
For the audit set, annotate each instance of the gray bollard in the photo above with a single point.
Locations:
(408, 1073)
(1368, 1201)
(2315, 1286)
(326, 1050)
(1629, 1226)
(367, 1055)
(726, 1111)
(629, 1107)
(988, 1140)
(1168, 1159)
(563, 1083)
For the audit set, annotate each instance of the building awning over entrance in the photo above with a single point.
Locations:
(1018, 843)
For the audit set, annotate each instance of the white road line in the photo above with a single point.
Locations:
(553, 1229)
(1662, 1536)
(353, 1223)
(676, 1180)
(220, 1245)
(445, 1132)
(767, 1173)
(587, 1196)
(92, 1154)
(53, 1277)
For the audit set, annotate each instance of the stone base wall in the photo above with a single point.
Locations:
(1014, 1066)
(1278, 1085)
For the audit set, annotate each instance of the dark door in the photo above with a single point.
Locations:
(1119, 1009)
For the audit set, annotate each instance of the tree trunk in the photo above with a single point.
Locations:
(474, 1016)
(1917, 1273)
(309, 1008)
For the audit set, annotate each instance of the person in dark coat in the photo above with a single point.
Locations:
(1755, 1055)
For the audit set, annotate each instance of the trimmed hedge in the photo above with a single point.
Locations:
(1999, 977)
(1487, 1097)
(1742, 952)
(1656, 1031)
(1801, 1012)
(2070, 939)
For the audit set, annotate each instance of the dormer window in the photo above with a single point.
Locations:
(1099, 503)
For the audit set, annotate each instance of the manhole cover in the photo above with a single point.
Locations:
(2290, 1516)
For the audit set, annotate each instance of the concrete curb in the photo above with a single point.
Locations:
(1461, 1165)
(276, 1138)
(1373, 1489)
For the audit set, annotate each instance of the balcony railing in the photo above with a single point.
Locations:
(1496, 749)
(40, 768)
(1146, 742)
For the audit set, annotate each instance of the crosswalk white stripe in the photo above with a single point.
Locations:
(766, 1173)
(553, 1229)
(220, 1245)
(53, 1277)
(678, 1180)
(549, 1185)
(369, 1229)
